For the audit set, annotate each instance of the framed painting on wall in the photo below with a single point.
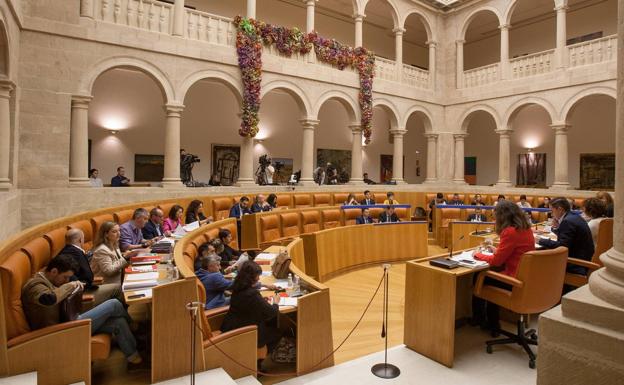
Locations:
(283, 169)
(149, 168)
(341, 159)
(597, 172)
(531, 171)
(226, 162)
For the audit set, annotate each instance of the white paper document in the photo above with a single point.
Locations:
(281, 283)
(190, 227)
(288, 301)
(134, 285)
(266, 256)
(141, 276)
(466, 259)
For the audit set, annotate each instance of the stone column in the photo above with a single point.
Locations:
(5, 134)
(309, 15)
(307, 153)
(458, 176)
(245, 171)
(562, 49)
(459, 76)
(504, 51)
(178, 18)
(356, 155)
(86, 8)
(445, 160)
(398, 51)
(432, 63)
(504, 158)
(397, 157)
(431, 158)
(359, 20)
(251, 10)
(561, 156)
(172, 146)
(79, 141)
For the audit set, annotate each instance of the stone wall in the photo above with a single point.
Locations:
(10, 211)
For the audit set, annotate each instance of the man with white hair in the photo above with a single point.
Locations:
(214, 282)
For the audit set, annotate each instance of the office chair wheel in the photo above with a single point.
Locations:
(532, 364)
(488, 349)
(533, 336)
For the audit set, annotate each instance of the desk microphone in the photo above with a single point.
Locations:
(477, 232)
(453, 246)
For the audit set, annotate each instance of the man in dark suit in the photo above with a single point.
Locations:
(477, 216)
(364, 218)
(388, 215)
(241, 208)
(153, 227)
(260, 204)
(368, 199)
(572, 232)
(74, 242)
(120, 179)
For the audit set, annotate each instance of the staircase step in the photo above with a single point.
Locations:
(21, 379)
(249, 380)
(213, 376)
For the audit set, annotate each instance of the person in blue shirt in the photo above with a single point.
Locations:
(120, 179)
(214, 282)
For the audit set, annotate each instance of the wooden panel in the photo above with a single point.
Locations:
(242, 346)
(314, 331)
(459, 229)
(295, 250)
(171, 333)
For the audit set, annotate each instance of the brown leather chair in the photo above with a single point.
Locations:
(340, 198)
(56, 238)
(99, 220)
(447, 215)
(603, 243)
(269, 228)
(375, 212)
(321, 199)
(166, 207)
(402, 213)
(38, 251)
(302, 200)
(449, 197)
(290, 224)
(536, 288)
(87, 228)
(124, 216)
(310, 221)
(220, 208)
(330, 218)
(350, 215)
(284, 201)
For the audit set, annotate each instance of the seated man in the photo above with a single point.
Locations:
(456, 200)
(367, 180)
(477, 201)
(131, 235)
(368, 199)
(153, 227)
(214, 246)
(120, 179)
(260, 204)
(42, 295)
(241, 208)
(523, 204)
(388, 215)
(477, 216)
(364, 218)
(229, 254)
(74, 242)
(572, 232)
(439, 200)
(214, 282)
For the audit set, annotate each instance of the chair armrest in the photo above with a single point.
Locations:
(88, 298)
(231, 334)
(216, 311)
(580, 262)
(497, 276)
(45, 331)
(97, 281)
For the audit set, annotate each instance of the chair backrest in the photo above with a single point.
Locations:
(123, 216)
(321, 199)
(350, 215)
(403, 213)
(99, 220)
(220, 208)
(542, 273)
(429, 197)
(14, 273)
(56, 238)
(234, 231)
(191, 251)
(310, 221)
(269, 227)
(330, 218)
(340, 198)
(302, 200)
(87, 228)
(449, 214)
(375, 212)
(284, 200)
(38, 251)
(449, 197)
(605, 239)
(166, 207)
(201, 291)
(290, 224)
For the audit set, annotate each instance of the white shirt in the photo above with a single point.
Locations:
(594, 224)
(270, 170)
(96, 182)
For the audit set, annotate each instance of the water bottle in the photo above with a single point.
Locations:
(296, 283)
(176, 273)
(290, 280)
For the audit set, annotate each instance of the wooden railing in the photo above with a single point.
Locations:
(482, 75)
(593, 51)
(531, 65)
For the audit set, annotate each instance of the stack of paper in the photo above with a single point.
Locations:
(288, 301)
(190, 227)
(266, 257)
(140, 281)
(466, 259)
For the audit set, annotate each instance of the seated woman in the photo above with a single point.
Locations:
(229, 254)
(477, 201)
(608, 200)
(272, 201)
(390, 199)
(247, 307)
(174, 219)
(516, 238)
(351, 201)
(500, 198)
(195, 213)
(594, 211)
(108, 260)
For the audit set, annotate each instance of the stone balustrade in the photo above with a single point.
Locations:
(533, 64)
(148, 15)
(593, 51)
(415, 77)
(482, 75)
(210, 28)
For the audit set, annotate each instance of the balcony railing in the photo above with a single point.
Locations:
(593, 51)
(530, 65)
(385, 69)
(482, 75)
(149, 15)
(210, 28)
(415, 77)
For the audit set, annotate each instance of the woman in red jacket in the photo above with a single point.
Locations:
(516, 238)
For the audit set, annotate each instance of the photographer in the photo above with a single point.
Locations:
(187, 161)
(265, 171)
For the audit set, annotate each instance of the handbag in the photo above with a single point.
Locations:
(285, 352)
(281, 265)
(71, 306)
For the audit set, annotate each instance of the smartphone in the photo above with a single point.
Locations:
(135, 296)
(467, 261)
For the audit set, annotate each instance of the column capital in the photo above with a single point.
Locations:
(309, 124)
(560, 128)
(358, 16)
(431, 135)
(310, 2)
(504, 26)
(561, 8)
(460, 42)
(173, 109)
(431, 43)
(398, 31)
(81, 101)
(6, 85)
(398, 132)
(355, 128)
(460, 136)
(504, 132)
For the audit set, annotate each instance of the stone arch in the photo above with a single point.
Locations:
(86, 85)
(512, 6)
(222, 77)
(572, 102)
(5, 63)
(347, 102)
(294, 90)
(395, 11)
(466, 116)
(423, 18)
(391, 109)
(472, 15)
(546, 105)
(428, 121)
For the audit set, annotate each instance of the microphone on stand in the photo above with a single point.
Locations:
(453, 246)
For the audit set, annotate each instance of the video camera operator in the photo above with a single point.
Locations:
(187, 161)
(265, 171)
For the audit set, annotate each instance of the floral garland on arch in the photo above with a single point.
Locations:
(252, 35)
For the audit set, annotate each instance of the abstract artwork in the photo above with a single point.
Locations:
(531, 171)
(597, 171)
(283, 169)
(149, 168)
(226, 162)
(341, 159)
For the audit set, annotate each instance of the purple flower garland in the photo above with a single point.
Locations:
(253, 34)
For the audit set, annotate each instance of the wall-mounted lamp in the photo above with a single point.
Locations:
(114, 132)
(258, 141)
(530, 150)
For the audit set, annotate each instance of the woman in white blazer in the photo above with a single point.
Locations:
(108, 261)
